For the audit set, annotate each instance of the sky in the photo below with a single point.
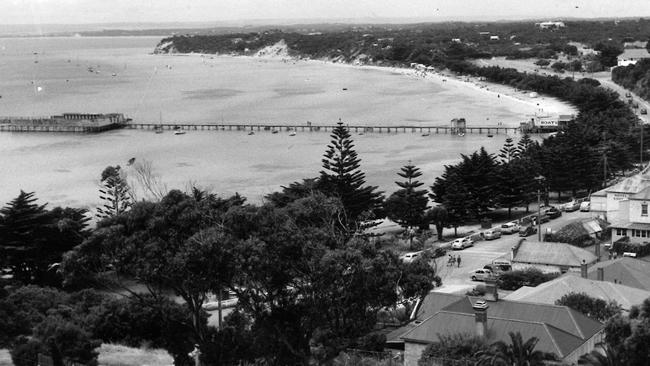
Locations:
(138, 11)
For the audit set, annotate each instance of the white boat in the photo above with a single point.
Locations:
(292, 134)
(179, 132)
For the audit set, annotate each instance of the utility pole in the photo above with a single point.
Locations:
(539, 217)
(641, 152)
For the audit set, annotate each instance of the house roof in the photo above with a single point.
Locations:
(550, 338)
(558, 328)
(549, 253)
(624, 224)
(634, 53)
(551, 291)
(633, 184)
(643, 195)
(627, 271)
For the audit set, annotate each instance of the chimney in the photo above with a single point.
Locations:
(583, 269)
(491, 290)
(480, 317)
(600, 274)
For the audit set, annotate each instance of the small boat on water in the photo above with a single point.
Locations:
(293, 133)
(274, 131)
(425, 134)
(179, 132)
(251, 133)
(490, 135)
(159, 130)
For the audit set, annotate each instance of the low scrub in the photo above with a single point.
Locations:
(623, 245)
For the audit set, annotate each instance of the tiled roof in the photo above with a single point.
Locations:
(551, 339)
(634, 53)
(643, 195)
(560, 317)
(633, 184)
(558, 254)
(551, 291)
(434, 303)
(627, 271)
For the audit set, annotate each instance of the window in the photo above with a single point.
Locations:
(644, 209)
(643, 233)
(621, 232)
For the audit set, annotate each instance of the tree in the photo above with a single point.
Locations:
(438, 216)
(606, 357)
(542, 62)
(517, 353)
(509, 151)
(114, 193)
(458, 347)
(33, 239)
(407, 205)
(591, 307)
(341, 177)
(608, 53)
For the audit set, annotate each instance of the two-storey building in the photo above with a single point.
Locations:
(632, 220)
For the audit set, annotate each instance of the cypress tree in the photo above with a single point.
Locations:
(342, 177)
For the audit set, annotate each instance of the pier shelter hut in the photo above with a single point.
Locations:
(458, 126)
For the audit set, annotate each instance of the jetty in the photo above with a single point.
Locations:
(67, 122)
(322, 128)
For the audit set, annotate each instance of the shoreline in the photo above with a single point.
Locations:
(464, 85)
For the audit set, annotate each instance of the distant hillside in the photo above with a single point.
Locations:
(415, 43)
(634, 77)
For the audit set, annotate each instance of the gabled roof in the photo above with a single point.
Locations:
(561, 317)
(626, 271)
(551, 291)
(557, 254)
(643, 195)
(551, 339)
(634, 53)
(633, 184)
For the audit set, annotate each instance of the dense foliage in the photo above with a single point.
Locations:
(592, 307)
(627, 337)
(634, 77)
(33, 238)
(408, 204)
(512, 280)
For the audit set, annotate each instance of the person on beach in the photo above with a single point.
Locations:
(458, 261)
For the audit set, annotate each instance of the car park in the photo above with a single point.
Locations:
(480, 274)
(492, 234)
(585, 206)
(573, 205)
(462, 243)
(510, 228)
(527, 231)
(410, 257)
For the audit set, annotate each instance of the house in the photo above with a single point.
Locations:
(551, 291)
(625, 271)
(550, 256)
(494, 38)
(630, 56)
(560, 330)
(606, 201)
(550, 25)
(455, 40)
(632, 220)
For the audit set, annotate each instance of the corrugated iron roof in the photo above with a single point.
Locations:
(549, 253)
(627, 271)
(551, 291)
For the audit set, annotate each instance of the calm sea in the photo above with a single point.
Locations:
(45, 76)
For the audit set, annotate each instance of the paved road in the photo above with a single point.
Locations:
(484, 252)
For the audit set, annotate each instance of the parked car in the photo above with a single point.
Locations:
(552, 212)
(527, 231)
(462, 243)
(571, 206)
(542, 218)
(480, 274)
(510, 228)
(585, 206)
(492, 234)
(410, 257)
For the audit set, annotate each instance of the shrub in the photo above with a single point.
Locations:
(623, 245)
(528, 277)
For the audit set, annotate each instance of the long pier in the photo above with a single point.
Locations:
(323, 128)
(57, 128)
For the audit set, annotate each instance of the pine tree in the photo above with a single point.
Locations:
(114, 192)
(508, 152)
(341, 177)
(407, 205)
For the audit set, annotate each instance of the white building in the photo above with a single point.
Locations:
(630, 56)
(605, 202)
(550, 25)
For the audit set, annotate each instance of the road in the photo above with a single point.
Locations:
(455, 279)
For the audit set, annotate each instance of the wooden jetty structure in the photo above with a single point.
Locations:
(323, 128)
(67, 122)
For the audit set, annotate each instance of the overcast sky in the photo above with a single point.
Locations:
(117, 11)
